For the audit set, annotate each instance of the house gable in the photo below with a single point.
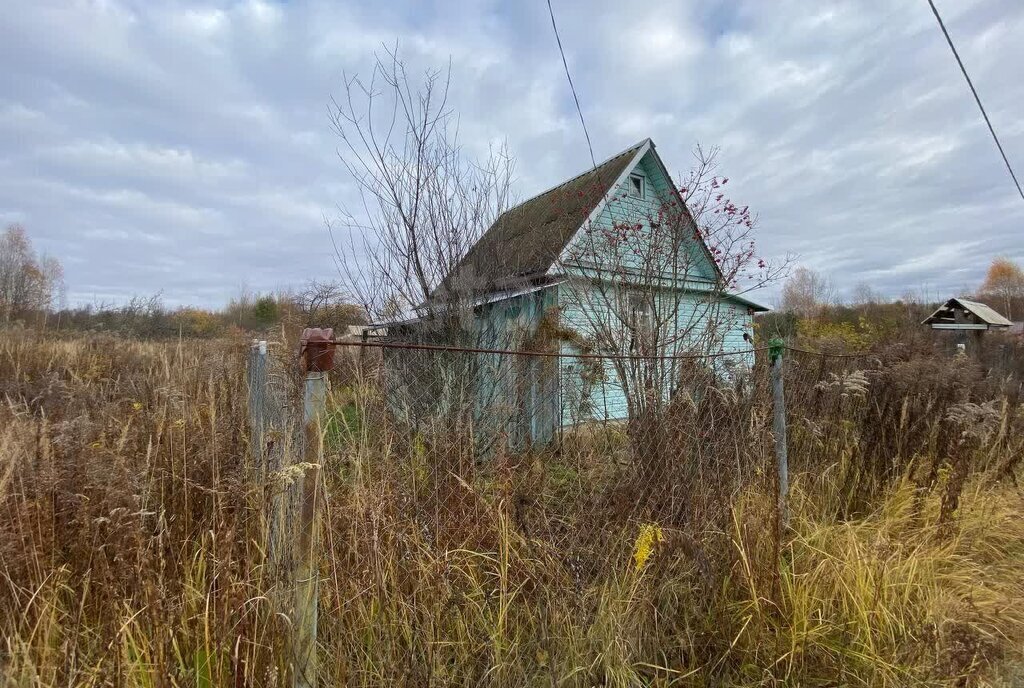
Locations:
(531, 242)
(589, 253)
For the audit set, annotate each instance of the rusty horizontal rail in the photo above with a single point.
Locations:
(540, 354)
(858, 354)
(556, 354)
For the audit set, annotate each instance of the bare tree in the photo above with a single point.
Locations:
(865, 295)
(806, 292)
(422, 201)
(422, 204)
(29, 283)
(325, 302)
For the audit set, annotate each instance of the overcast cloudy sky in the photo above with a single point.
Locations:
(185, 148)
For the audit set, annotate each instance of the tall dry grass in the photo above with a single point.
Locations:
(133, 530)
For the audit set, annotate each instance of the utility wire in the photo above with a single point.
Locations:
(573, 88)
(977, 99)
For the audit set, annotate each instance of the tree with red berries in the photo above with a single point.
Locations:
(644, 283)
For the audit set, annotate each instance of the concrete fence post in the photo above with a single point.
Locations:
(306, 574)
(257, 387)
(316, 356)
(265, 449)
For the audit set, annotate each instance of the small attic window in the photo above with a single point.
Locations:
(637, 186)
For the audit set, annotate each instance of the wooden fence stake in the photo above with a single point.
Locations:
(776, 347)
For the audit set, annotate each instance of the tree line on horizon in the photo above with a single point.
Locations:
(32, 294)
(806, 292)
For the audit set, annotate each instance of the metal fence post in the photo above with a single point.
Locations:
(776, 347)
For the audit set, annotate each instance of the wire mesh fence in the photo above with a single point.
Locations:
(580, 453)
(461, 482)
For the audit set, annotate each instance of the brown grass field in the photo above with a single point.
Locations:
(133, 524)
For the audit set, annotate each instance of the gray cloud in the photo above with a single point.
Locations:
(185, 147)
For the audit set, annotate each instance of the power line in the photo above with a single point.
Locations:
(977, 99)
(573, 88)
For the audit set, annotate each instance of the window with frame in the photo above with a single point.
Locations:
(637, 186)
(641, 321)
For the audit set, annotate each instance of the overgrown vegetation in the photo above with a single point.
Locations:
(133, 530)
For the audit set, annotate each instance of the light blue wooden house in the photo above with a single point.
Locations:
(581, 268)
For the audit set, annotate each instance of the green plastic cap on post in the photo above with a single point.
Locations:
(775, 347)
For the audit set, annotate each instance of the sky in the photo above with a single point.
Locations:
(185, 148)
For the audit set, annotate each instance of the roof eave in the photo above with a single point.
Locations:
(753, 305)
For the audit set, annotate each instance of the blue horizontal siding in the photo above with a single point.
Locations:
(703, 324)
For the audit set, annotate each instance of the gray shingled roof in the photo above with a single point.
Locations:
(985, 314)
(526, 240)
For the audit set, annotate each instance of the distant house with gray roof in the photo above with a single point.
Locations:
(964, 317)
